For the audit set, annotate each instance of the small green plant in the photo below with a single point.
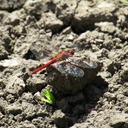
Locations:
(125, 2)
(47, 97)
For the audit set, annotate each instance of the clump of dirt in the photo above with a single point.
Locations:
(76, 74)
(32, 31)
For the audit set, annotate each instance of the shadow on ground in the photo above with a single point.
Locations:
(76, 108)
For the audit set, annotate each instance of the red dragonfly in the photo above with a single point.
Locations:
(61, 56)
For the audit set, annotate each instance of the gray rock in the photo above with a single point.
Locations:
(61, 120)
(11, 62)
(34, 7)
(35, 84)
(15, 85)
(14, 108)
(2, 84)
(11, 4)
(29, 110)
(110, 96)
(26, 124)
(3, 16)
(3, 105)
(71, 78)
(124, 73)
(55, 25)
(10, 98)
(27, 97)
(2, 93)
(106, 27)
(86, 16)
(43, 122)
(3, 53)
(86, 39)
(119, 120)
(65, 10)
(23, 44)
(15, 19)
(1, 115)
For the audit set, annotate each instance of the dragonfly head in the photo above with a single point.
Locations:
(69, 53)
(65, 54)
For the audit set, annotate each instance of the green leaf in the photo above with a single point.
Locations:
(125, 2)
(48, 97)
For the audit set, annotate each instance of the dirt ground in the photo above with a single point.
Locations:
(32, 31)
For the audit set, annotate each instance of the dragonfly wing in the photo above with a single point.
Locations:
(69, 69)
(83, 63)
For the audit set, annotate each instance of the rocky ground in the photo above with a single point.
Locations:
(32, 31)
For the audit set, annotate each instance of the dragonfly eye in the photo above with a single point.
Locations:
(71, 52)
(68, 53)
